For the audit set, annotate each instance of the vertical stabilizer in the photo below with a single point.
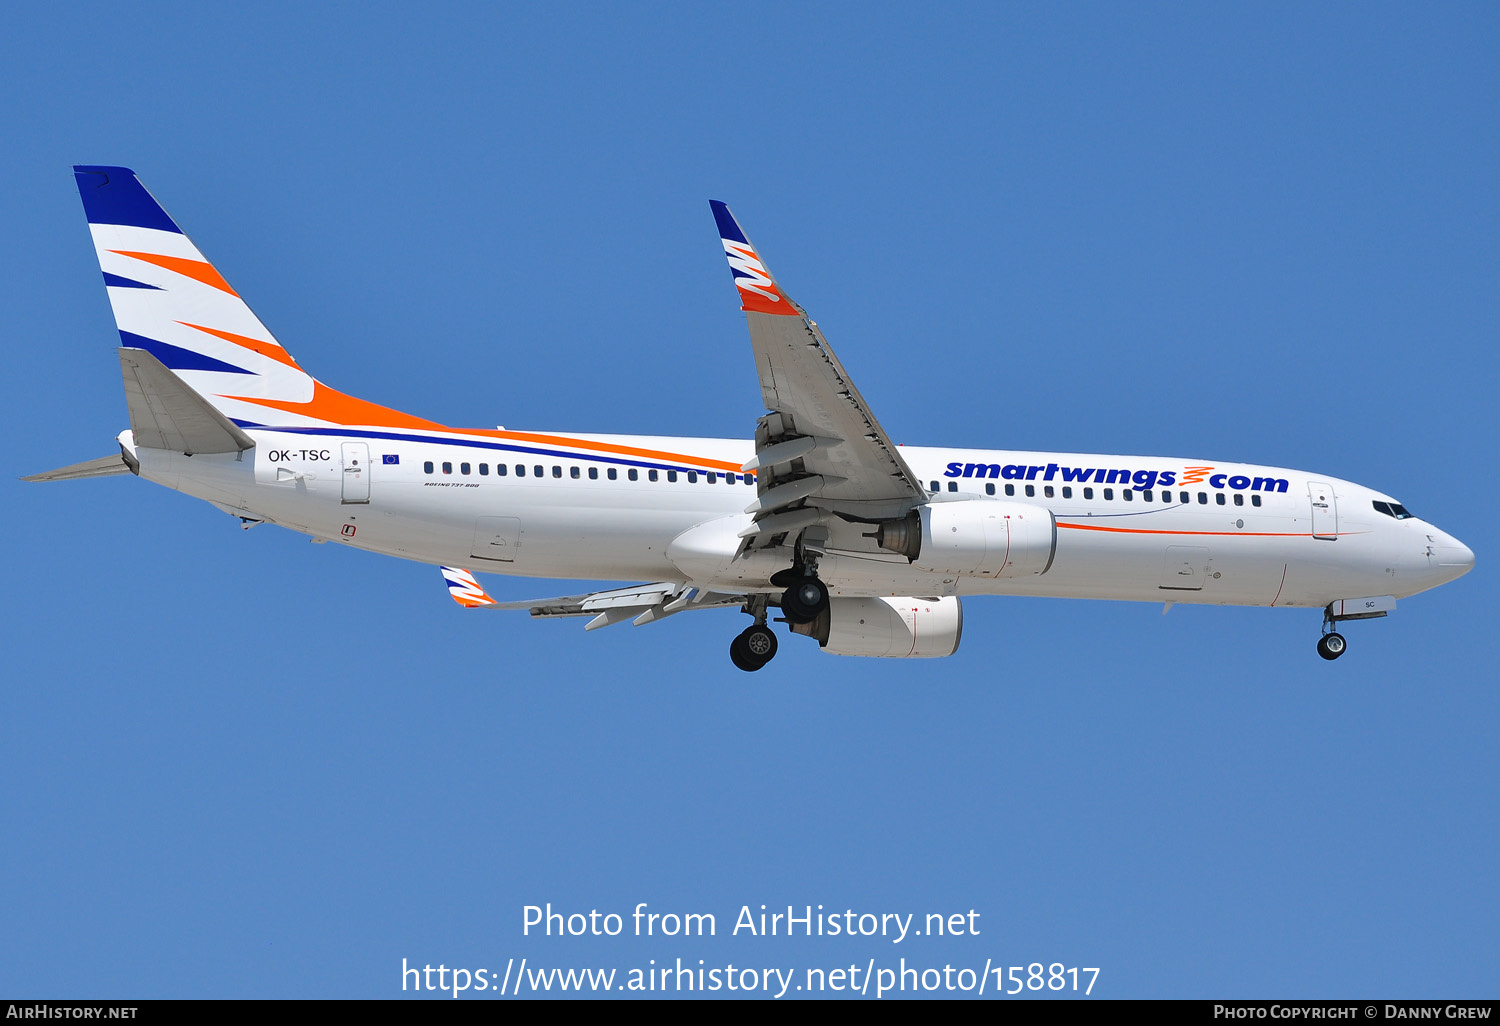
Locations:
(169, 301)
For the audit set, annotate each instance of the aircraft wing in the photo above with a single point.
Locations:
(820, 447)
(641, 603)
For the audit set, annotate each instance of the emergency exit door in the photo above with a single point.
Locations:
(1186, 568)
(496, 538)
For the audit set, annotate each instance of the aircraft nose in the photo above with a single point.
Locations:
(1453, 556)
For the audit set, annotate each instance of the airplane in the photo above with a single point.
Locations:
(866, 546)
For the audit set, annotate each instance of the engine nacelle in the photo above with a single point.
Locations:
(985, 538)
(900, 628)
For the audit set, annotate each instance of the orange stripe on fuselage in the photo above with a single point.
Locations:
(619, 450)
(335, 407)
(196, 269)
(270, 349)
(1227, 534)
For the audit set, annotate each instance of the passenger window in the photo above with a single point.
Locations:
(934, 487)
(1047, 491)
(1219, 498)
(1146, 496)
(729, 479)
(538, 471)
(953, 486)
(1010, 489)
(989, 488)
(712, 477)
(1088, 493)
(1203, 498)
(1126, 494)
(671, 475)
(635, 475)
(1184, 498)
(1109, 495)
(1030, 490)
(612, 473)
(484, 470)
(593, 473)
(463, 468)
(749, 479)
(500, 469)
(692, 476)
(520, 470)
(1067, 491)
(427, 467)
(651, 475)
(556, 470)
(574, 473)
(447, 468)
(1255, 500)
(1239, 500)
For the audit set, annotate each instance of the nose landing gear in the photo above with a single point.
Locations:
(1331, 645)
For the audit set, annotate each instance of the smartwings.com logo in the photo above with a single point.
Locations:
(1111, 475)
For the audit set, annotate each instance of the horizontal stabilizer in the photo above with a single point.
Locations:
(166, 414)
(104, 466)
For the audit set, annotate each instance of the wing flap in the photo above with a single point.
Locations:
(642, 603)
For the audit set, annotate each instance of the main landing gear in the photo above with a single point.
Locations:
(803, 601)
(755, 646)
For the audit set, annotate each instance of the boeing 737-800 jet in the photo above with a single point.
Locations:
(863, 545)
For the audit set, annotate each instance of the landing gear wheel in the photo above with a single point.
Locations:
(1332, 645)
(804, 600)
(753, 648)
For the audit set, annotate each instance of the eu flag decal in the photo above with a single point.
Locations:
(388, 460)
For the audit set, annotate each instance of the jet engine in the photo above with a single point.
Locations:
(975, 538)
(901, 628)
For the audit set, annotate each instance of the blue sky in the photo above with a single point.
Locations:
(235, 764)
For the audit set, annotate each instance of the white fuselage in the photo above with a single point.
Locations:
(1229, 534)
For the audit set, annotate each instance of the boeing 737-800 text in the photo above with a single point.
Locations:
(867, 547)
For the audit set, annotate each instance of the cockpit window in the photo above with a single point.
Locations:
(1394, 509)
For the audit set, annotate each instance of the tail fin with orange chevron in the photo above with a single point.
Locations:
(172, 303)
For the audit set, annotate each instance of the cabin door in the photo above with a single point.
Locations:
(1325, 510)
(356, 472)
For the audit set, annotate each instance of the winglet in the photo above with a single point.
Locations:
(465, 589)
(759, 292)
